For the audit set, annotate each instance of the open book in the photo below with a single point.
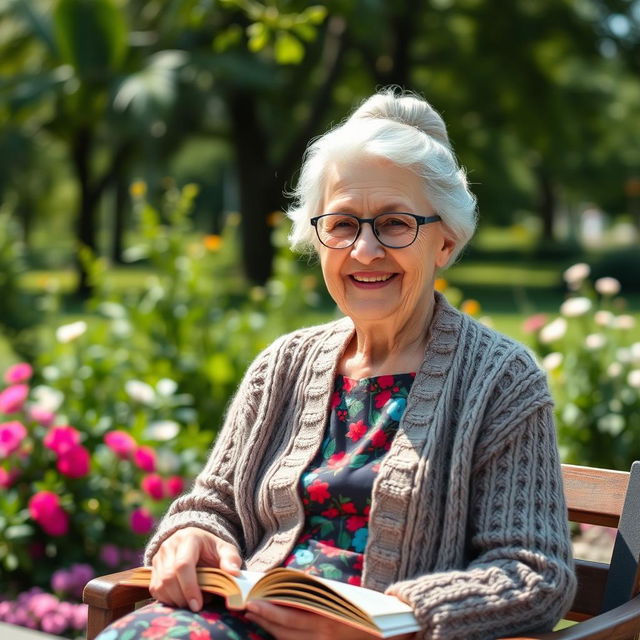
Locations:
(372, 611)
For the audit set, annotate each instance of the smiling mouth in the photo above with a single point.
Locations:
(377, 278)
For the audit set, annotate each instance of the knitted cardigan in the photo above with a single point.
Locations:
(468, 519)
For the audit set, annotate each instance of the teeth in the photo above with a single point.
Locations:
(371, 278)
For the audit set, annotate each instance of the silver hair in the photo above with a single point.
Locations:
(404, 129)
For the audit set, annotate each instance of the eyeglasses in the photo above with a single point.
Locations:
(393, 230)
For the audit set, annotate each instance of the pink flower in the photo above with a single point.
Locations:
(152, 485)
(20, 372)
(13, 398)
(534, 323)
(62, 438)
(379, 438)
(45, 509)
(174, 486)
(145, 459)
(110, 555)
(356, 580)
(54, 623)
(335, 399)
(74, 462)
(41, 415)
(7, 477)
(348, 383)
(11, 436)
(141, 520)
(121, 443)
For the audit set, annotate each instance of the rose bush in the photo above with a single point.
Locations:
(115, 414)
(593, 364)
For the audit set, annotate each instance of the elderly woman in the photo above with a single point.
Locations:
(404, 447)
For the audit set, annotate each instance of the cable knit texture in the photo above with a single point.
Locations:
(468, 520)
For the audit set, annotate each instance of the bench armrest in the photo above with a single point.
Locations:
(109, 600)
(621, 623)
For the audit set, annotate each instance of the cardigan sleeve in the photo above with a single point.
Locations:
(210, 504)
(519, 576)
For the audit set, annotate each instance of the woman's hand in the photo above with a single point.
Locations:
(287, 623)
(173, 577)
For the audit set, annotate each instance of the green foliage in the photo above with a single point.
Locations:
(91, 36)
(594, 372)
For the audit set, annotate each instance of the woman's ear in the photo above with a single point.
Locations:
(446, 248)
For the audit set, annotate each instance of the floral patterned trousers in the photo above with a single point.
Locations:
(158, 621)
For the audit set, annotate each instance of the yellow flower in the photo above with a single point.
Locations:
(138, 189)
(212, 242)
(441, 284)
(472, 307)
(274, 218)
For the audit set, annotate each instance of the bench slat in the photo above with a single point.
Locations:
(594, 496)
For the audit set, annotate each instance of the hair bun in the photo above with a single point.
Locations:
(406, 108)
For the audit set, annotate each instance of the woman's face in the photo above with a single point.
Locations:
(369, 282)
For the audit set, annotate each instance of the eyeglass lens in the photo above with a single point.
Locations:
(392, 229)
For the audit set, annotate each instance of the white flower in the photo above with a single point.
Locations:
(575, 274)
(634, 349)
(162, 430)
(47, 398)
(553, 331)
(623, 355)
(69, 332)
(633, 379)
(112, 310)
(140, 392)
(625, 322)
(604, 318)
(607, 286)
(614, 369)
(611, 423)
(574, 307)
(595, 341)
(166, 387)
(552, 361)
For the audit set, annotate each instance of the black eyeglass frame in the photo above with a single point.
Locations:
(419, 219)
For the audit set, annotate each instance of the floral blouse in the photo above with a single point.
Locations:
(336, 486)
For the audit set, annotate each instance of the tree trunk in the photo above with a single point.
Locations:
(85, 220)
(258, 186)
(546, 203)
(121, 210)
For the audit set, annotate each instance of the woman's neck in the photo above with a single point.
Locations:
(380, 348)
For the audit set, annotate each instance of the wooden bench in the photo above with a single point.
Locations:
(607, 604)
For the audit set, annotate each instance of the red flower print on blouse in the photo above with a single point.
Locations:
(357, 430)
(382, 398)
(349, 507)
(379, 438)
(358, 563)
(338, 460)
(335, 399)
(354, 580)
(318, 491)
(386, 381)
(356, 522)
(331, 513)
(348, 384)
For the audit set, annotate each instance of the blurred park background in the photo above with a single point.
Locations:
(145, 146)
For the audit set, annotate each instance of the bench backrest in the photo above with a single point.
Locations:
(612, 499)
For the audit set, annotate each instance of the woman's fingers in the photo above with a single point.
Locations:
(174, 579)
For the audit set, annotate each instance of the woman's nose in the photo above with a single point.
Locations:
(367, 248)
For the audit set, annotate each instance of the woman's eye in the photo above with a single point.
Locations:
(394, 221)
(342, 223)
